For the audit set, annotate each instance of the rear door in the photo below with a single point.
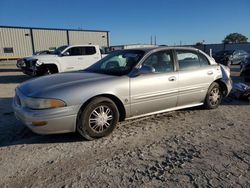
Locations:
(89, 55)
(195, 76)
(155, 91)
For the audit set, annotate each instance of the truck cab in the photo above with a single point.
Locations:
(63, 59)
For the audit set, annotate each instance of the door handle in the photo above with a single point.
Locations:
(80, 58)
(172, 78)
(210, 72)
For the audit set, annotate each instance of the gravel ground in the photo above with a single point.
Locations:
(187, 148)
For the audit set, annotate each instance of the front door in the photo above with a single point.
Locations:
(155, 91)
(71, 59)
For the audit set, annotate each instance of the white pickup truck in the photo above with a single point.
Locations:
(63, 59)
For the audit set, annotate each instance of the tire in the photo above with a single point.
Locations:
(247, 79)
(47, 72)
(213, 97)
(98, 119)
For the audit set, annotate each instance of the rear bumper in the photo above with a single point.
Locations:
(229, 85)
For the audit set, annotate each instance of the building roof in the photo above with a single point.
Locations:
(41, 28)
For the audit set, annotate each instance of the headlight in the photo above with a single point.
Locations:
(20, 63)
(38, 103)
(38, 63)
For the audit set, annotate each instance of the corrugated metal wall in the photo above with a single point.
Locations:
(88, 37)
(47, 39)
(219, 47)
(18, 39)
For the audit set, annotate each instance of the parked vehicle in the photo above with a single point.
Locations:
(44, 52)
(63, 59)
(125, 84)
(230, 57)
(245, 69)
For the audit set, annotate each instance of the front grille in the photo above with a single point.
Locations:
(29, 63)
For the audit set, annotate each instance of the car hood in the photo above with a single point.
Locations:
(40, 85)
(41, 57)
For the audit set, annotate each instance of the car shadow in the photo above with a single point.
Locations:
(9, 70)
(13, 132)
(233, 101)
(10, 79)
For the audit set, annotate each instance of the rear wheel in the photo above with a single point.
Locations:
(213, 97)
(98, 119)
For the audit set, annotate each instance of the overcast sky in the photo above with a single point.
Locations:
(131, 21)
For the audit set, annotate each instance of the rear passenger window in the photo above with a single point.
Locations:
(188, 60)
(191, 60)
(88, 50)
(203, 60)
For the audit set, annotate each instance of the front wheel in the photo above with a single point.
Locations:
(213, 97)
(98, 119)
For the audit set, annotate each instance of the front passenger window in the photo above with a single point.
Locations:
(160, 61)
(75, 51)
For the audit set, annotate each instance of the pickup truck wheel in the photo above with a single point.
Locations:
(98, 119)
(213, 97)
(47, 71)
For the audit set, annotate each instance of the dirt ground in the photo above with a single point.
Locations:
(187, 148)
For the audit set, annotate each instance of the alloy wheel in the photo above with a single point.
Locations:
(100, 119)
(214, 97)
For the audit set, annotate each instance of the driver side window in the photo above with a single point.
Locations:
(161, 61)
(74, 51)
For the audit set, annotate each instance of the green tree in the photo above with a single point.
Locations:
(235, 38)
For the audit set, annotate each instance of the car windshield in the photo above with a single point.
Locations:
(117, 63)
(59, 49)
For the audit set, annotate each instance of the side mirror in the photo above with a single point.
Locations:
(65, 54)
(145, 69)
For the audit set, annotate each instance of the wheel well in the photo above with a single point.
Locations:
(223, 86)
(117, 101)
(52, 67)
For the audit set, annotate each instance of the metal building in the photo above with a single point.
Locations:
(16, 42)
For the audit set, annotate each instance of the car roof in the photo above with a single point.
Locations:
(164, 48)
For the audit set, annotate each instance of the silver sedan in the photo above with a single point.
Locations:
(125, 84)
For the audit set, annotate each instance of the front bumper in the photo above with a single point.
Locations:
(59, 120)
(27, 67)
(29, 71)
